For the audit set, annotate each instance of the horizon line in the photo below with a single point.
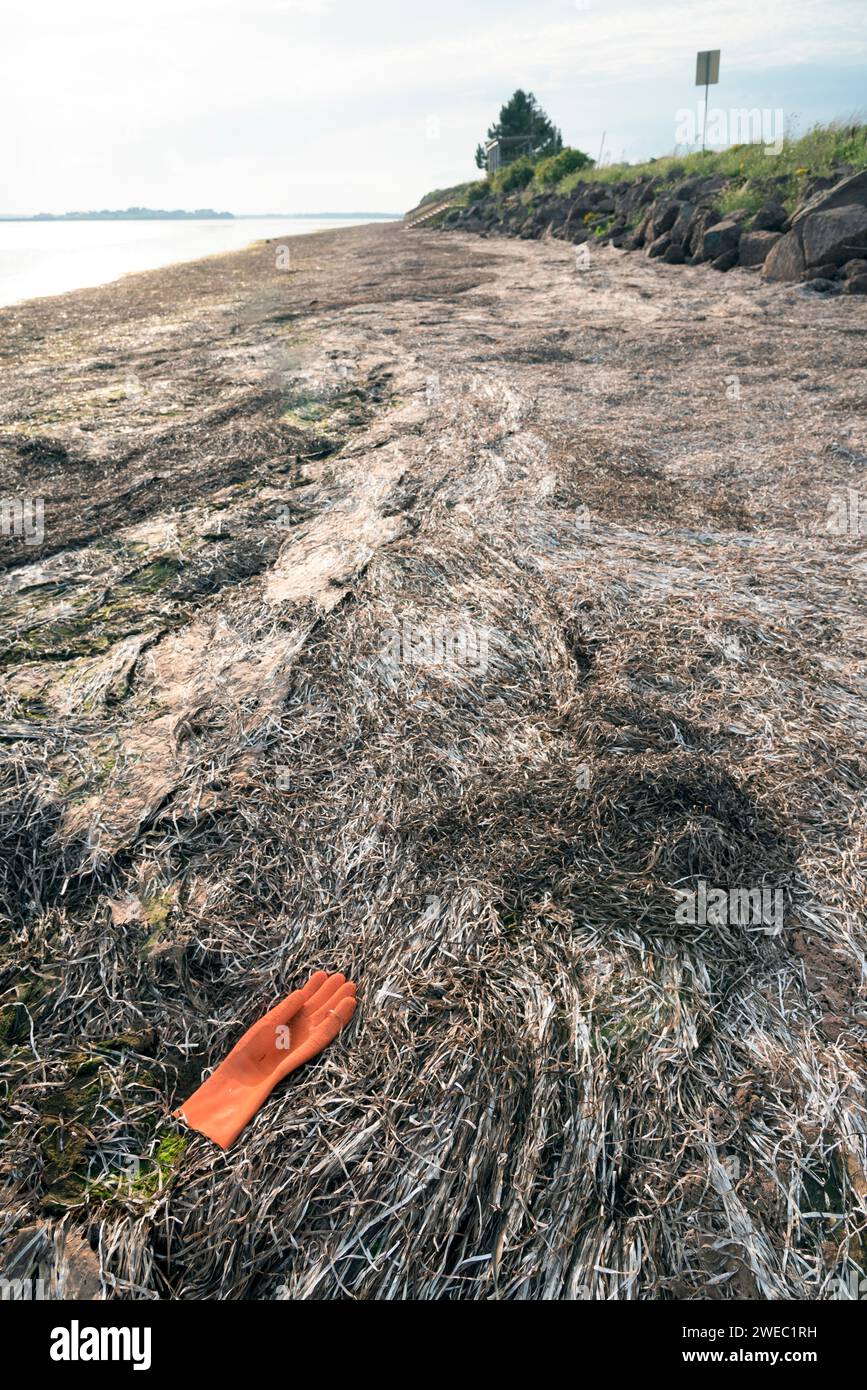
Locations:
(177, 214)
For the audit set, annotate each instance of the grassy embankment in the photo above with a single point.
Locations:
(755, 172)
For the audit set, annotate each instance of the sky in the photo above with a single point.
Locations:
(340, 105)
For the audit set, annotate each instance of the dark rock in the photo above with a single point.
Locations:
(664, 216)
(720, 238)
(834, 235)
(854, 268)
(705, 188)
(821, 272)
(674, 255)
(700, 220)
(660, 245)
(771, 217)
(642, 230)
(785, 261)
(754, 246)
(819, 286)
(575, 223)
(726, 260)
(681, 224)
(844, 192)
(856, 284)
(630, 200)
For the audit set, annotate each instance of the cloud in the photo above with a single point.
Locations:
(271, 95)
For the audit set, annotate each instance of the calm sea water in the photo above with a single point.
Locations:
(40, 258)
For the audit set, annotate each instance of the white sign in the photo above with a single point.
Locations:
(707, 68)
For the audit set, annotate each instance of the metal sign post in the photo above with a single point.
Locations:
(706, 75)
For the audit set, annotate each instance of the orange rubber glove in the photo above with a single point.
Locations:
(295, 1030)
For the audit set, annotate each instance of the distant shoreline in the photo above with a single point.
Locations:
(204, 215)
(39, 259)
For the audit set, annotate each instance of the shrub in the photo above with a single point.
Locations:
(551, 170)
(514, 176)
(475, 192)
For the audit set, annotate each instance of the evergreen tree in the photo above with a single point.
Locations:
(523, 128)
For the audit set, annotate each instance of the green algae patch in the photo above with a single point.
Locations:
(89, 629)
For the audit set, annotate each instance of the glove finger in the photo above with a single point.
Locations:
(337, 1018)
(294, 1002)
(346, 991)
(320, 1037)
(328, 987)
(316, 981)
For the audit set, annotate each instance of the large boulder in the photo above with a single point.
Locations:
(856, 285)
(719, 239)
(680, 225)
(771, 217)
(701, 219)
(664, 216)
(841, 194)
(578, 210)
(785, 261)
(755, 246)
(631, 198)
(835, 235)
(637, 238)
(659, 245)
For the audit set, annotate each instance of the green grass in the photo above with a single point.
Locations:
(755, 174)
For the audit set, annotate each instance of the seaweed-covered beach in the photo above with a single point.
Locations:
(445, 612)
